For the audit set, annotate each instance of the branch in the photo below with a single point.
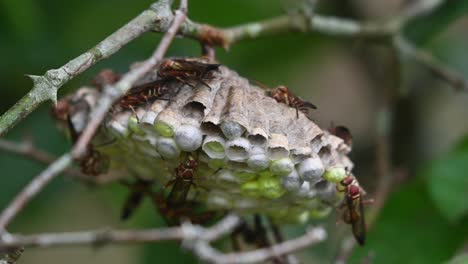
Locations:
(158, 18)
(205, 252)
(426, 59)
(194, 237)
(186, 232)
(33, 188)
(113, 92)
(27, 149)
(302, 20)
(45, 88)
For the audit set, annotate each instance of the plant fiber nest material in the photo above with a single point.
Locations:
(255, 155)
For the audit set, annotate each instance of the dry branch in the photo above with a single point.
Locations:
(195, 238)
(111, 94)
(100, 237)
(27, 149)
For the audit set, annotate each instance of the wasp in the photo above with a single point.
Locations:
(354, 207)
(138, 191)
(187, 71)
(282, 94)
(176, 206)
(183, 181)
(343, 133)
(105, 77)
(173, 205)
(146, 93)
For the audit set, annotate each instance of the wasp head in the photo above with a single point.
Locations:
(347, 181)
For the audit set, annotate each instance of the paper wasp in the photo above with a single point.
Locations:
(105, 77)
(343, 133)
(169, 207)
(138, 191)
(354, 210)
(175, 206)
(282, 95)
(183, 181)
(187, 71)
(146, 93)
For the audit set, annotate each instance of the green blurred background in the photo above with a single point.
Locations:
(424, 219)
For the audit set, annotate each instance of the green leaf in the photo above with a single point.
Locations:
(411, 230)
(422, 29)
(447, 181)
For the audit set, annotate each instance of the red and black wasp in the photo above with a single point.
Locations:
(175, 206)
(343, 133)
(146, 93)
(187, 71)
(353, 205)
(282, 94)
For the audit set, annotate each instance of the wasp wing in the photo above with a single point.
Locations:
(358, 221)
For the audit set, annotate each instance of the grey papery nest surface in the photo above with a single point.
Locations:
(255, 155)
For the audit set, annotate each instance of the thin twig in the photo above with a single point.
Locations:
(111, 93)
(33, 188)
(205, 252)
(157, 17)
(427, 60)
(114, 92)
(101, 237)
(28, 150)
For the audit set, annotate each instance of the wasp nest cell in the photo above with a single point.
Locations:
(255, 154)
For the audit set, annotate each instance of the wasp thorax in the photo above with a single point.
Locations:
(354, 191)
(243, 150)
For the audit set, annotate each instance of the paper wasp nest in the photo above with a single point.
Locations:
(255, 154)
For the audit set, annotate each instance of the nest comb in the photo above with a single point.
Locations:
(255, 154)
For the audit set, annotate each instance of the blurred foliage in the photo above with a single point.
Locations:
(424, 220)
(447, 182)
(423, 28)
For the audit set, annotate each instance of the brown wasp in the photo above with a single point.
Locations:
(343, 133)
(171, 206)
(183, 181)
(282, 95)
(138, 190)
(146, 93)
(175, 206)
(105, 77)
(354, 209)
(187, 71)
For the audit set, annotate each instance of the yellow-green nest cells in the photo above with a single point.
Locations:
(254, 154)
